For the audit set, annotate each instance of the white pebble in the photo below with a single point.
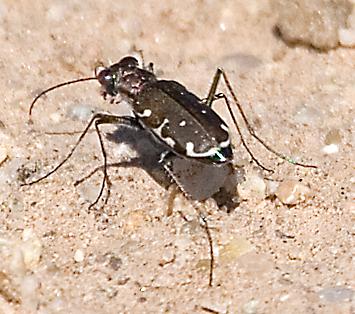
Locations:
(293, 192)
(236, 247)
(55, 117)
(347, 37)
(250, 307)
(336, 294)
(81, 112)
(331, 149)
(31, 248)
(307, 115)
(254, 186)
(79, 255)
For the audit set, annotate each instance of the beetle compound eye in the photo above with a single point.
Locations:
(104, 77)
(107, 80)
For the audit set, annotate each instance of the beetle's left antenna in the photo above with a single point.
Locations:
(58, 86)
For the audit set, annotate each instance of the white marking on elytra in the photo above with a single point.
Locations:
(190, 151)
(163, 155)
(182, 123)
(225, 143)
(167, 140)
(224, 127)
(145, 114)
(203, 111)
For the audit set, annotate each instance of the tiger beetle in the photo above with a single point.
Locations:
(177, 135)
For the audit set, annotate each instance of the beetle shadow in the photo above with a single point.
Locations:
(197, 180)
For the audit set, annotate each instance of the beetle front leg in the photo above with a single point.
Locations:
(98, 119)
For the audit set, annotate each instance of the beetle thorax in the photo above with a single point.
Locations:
(130, 84)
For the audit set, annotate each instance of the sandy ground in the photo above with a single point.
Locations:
(133, 258)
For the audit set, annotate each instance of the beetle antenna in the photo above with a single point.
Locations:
(58, 86)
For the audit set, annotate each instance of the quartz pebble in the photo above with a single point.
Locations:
(31, 248)
(250, 307)
(336, 294)
(79, 255)
(306, 115)
(293, 192)
(331, 149)
(331, 141)
(81, 112)
(236, 247)
(254, 186)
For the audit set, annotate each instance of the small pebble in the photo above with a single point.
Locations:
(306, 115)
(115, 262)
(254, 186)
(250, 307)
(190, 227)
(336, 294)
(111, 292)
(347, 37)
(123, 281)
(167, 256)
(333, 137)
(31, 248)
(55, 117)
(12, 254)
(79, 255)
(293, 192)
(135, 219)
(131, 246)
(203, 265)
(81, 112)
(236, 247)
(87, 193)
(331, 149)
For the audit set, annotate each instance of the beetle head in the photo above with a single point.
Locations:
(124, 77)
